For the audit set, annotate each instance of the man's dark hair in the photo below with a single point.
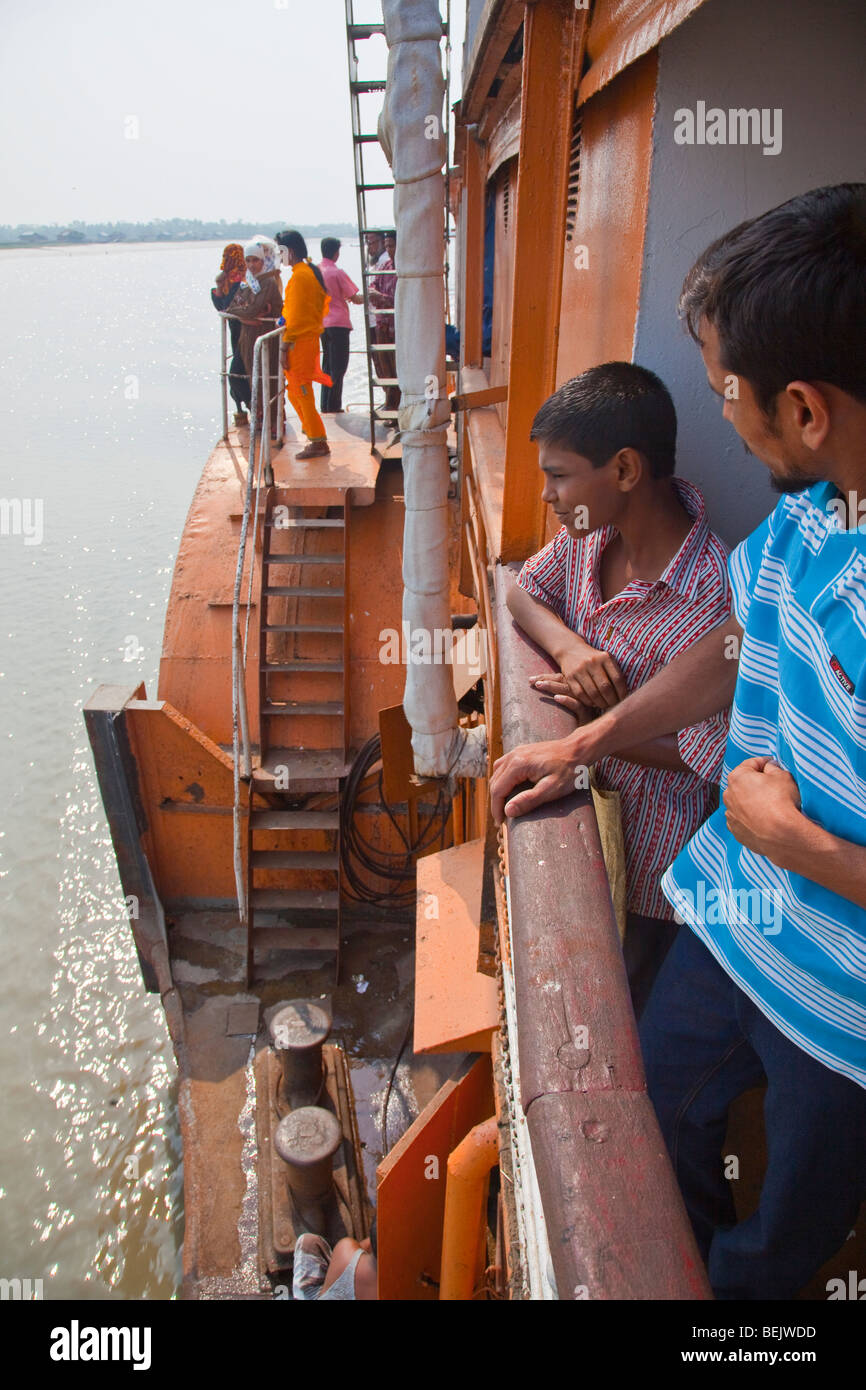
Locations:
(330, 247)
(786, 293)
(617, 405)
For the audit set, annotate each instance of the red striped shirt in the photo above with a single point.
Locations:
(643, 628)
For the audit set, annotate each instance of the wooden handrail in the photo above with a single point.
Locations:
(616, 1222)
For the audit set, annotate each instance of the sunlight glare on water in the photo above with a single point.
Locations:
(111, 405)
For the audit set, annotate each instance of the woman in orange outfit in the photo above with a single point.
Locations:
(305, 305)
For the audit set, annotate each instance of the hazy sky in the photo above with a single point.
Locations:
(241, 106)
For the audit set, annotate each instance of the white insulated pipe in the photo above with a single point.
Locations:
(412, 135)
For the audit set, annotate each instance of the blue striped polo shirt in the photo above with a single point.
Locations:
(797, 949)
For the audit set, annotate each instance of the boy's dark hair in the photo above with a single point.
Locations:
(786, 293)
(617, 405)
(330, 247)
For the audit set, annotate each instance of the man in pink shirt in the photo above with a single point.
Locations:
(337, 325)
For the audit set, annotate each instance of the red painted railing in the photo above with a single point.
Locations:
(616, 1223)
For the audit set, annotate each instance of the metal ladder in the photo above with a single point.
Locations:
(355, 34)
(303, 741)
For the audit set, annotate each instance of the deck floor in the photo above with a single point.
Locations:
(372, 1007)
(351, 465)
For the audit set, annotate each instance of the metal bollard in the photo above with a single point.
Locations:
(306, 1140)
(298, 1031)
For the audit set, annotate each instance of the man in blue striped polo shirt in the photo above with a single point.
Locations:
(771, 979)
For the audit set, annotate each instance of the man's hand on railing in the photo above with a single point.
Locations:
(550, 766)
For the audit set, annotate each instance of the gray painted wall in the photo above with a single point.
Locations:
(474, 10)
(810, 61)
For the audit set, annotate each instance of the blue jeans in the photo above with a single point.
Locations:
(704, 1043)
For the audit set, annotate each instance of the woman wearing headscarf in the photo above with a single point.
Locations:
(259, 310)
(304, 309)
(228, 281)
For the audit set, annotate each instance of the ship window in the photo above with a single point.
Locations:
(573, 177)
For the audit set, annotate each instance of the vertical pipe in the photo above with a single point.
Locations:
(240, 728)
(412, 135)
(266, 414)
(224, 378)
(469, 1166)
(281, 398)
(246, 762)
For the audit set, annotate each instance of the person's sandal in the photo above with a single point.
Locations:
(317, 448)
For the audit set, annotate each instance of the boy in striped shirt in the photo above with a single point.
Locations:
(632, 578)
(778, 309)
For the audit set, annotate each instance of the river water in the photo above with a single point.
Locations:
(110, 402)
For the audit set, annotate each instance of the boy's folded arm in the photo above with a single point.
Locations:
(541, 622)
(695, 685)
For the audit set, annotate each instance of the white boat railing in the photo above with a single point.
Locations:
(226, 355)
(259, 473)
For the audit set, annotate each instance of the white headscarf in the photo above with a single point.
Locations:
(268, 251)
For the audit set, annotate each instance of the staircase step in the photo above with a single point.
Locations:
(303, 559)
(326, 860)
(295, 820)
(374, 187)
(304, 938)
(365, 139)
(306, 769)
(335, 628)
(331, 708)
(309, 523)
(283, 899)
(302, 666)
(378, 86)
(301, 591)
(365, 31)
(385, 381)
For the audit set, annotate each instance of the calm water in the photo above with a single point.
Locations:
(110, 406)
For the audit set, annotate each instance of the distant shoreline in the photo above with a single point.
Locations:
(155, 241)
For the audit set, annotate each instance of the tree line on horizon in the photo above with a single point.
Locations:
(161, 229)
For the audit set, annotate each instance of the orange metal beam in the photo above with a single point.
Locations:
(623, 31)
(474, 193)
(601, 287)
(553, 41)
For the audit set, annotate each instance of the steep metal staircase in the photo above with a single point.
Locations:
(293, 859)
